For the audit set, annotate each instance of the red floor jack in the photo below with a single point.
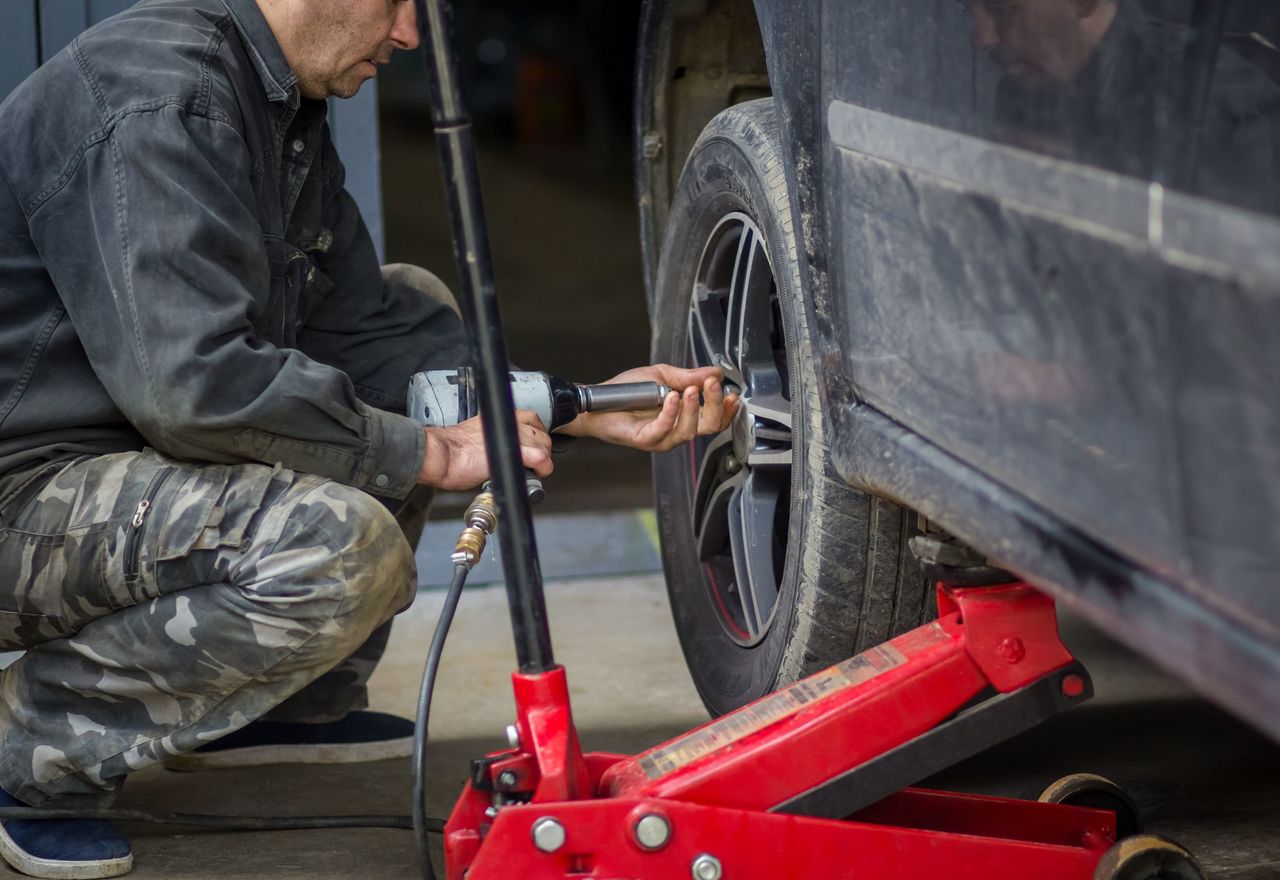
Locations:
(807, 782)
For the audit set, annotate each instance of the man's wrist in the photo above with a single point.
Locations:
(435, 459)
(577, 428)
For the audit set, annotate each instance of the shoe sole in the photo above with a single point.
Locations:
(309, 753)
(58, 869)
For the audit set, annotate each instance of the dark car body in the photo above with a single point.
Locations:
(1060, 344)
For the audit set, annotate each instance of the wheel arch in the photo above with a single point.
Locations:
(695, 58)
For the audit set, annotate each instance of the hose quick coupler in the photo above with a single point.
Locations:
(482, 520)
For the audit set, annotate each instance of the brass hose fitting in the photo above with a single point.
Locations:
(482, 521)
(483, 512)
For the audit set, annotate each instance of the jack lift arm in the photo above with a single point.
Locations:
(810, 781)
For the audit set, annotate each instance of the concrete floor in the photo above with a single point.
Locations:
(1198, 775)
(641, 696)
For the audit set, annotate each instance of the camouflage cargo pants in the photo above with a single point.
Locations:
(234, 592)
(164, 604)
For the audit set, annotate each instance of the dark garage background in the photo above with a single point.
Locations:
(549, 85)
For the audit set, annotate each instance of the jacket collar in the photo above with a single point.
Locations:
(277, 78)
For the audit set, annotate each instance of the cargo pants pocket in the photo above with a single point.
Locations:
(216, 507)
(199, 519)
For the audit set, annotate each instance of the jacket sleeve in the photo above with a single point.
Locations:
(155, 247)
(378, 332)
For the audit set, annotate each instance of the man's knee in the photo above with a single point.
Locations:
(329, 542)
(422, 280)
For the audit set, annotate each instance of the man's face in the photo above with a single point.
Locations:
(1038, 43)
(333, 46)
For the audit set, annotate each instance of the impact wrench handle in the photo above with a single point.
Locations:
(442, 398)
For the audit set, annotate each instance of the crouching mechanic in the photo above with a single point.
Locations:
(205, 468)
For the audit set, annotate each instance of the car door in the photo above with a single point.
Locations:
(1058, 259)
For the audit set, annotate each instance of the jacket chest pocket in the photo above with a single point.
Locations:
(297, 288)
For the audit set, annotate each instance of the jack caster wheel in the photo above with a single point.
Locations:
(1099, 793)
(1147, 857)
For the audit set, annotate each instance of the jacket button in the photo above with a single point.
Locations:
(298, 145)
(381, 481)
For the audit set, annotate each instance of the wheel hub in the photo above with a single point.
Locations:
(743, 431)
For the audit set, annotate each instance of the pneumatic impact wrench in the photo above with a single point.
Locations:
(440, 398)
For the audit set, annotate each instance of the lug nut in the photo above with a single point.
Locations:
(548, 835)
(652, 831)
(706, 867)
(507, 779)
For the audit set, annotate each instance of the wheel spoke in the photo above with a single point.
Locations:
(752, 304)
(707, 326)
(713, 527)
(770, 458)
(771, 420)
(751, 517)
(737, 288)
(709, 473)
(770, 408)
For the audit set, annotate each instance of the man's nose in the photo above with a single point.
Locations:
(985, 35)
(404, 32)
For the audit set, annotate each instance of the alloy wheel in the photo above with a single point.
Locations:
(742, 476)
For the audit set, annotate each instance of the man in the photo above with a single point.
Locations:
(202, 383)
(1100, 81)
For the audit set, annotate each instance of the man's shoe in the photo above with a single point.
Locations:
(63, 849)
(361, 736)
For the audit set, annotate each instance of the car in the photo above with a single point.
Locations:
(1000, 273)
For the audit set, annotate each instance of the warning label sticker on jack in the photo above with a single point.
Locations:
(776, 707)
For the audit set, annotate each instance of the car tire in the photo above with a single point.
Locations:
(833, 561)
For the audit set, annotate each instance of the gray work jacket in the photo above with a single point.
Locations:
(181, 267)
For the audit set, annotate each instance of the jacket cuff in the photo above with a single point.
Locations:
(394, 458)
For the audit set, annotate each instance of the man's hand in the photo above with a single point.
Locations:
(680, 418)
(455, 457)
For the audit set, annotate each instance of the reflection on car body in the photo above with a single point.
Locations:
(1093, 81)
